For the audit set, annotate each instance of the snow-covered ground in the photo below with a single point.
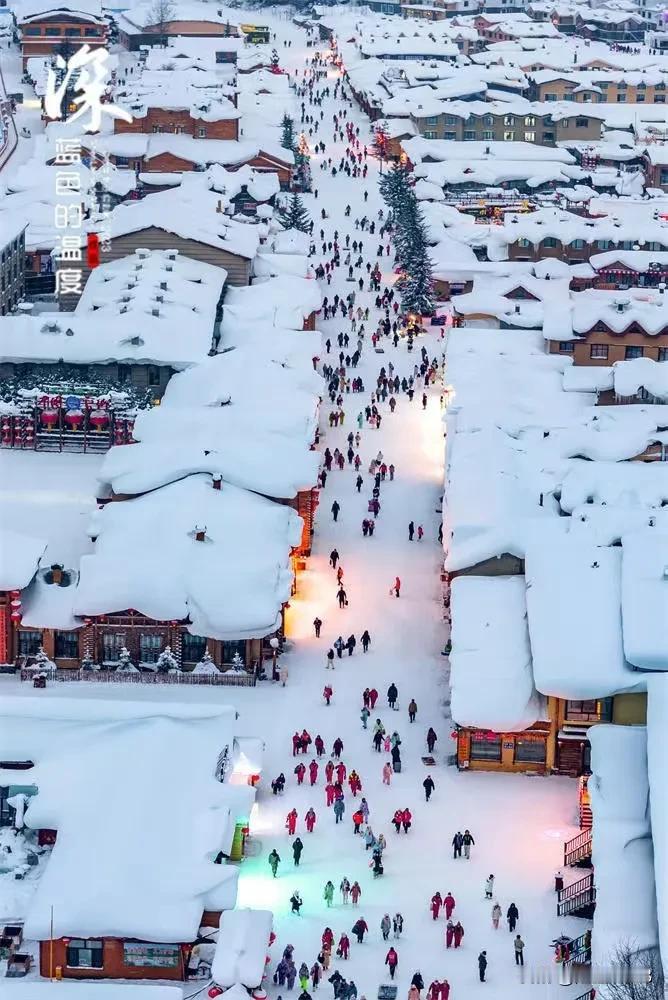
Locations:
(519, 823)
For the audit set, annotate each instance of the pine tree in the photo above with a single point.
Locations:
(42, 661)
(206, 665)
(417, 286)
(167, 662)
(294, 215)
(238, 664)
(87, 662)
(275, 68)
(125, 664)
(288, 139)
(395, 186)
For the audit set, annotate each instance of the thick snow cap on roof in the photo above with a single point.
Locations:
(241, 949)
(282, 301)
(645, 598)
(657, 762)
(158, 873)
(491, 680)
(266, 463)
(228, 588)
(621, 841)
(19, 558)
(574, 607)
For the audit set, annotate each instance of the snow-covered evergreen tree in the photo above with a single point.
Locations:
(167, 662)
(416, 287)
(125, 664)
(288, 138)
(87, 662)
(294, 215)
(206, 665)
(42, 661)
(238, 664)
(395, 187)
(274, 61)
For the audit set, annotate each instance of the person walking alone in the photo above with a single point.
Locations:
(519, 950)
(482, 965)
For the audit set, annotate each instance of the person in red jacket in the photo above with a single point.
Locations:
(373, 698)
(458, 934)
(360, 927)
(406, 820)
(341, 773)
(344, 946)
(355, 783)
(310, 820)
(319, 744)
(449, 905)
(329, 770)
(435, 905)
(300, 771)
(392, 961)
(306, 741)
(358, 819)
(449, 934)
(313, 771)
(397, 586)
(291, 822)
(397, 819)
(327, 693)
(329, 793)
(434, 991)
(296, 744)
(445, 990)
(328, 938)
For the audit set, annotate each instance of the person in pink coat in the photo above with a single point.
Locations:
(313, 771)
(310, 820)
(329, 793)
(449, 934)
(387, 774)
(449, 905)
(435, 905)
(458, 934)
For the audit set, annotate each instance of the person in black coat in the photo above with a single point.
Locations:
(482, 965)
(417, 981)
(392, 695)
(429, 786)
(512, 915)
(457, 842)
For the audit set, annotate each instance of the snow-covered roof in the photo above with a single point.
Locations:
(645, 598)
(622, 841)
(657, 717)
(204, 152)
(180, 98)
(84, 10)
(495, 172)
(260, 185)
(143, 14)
(241, 948)
(193, 215)
(617, 310)
(421, 150)
(225, 588)
(98, 812)
(491, 681)
(284, 301)
(19, 558)
(141, 336)
(574, 589)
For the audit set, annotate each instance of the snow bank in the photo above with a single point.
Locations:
(574, 610)
(241, 949)
(657, 759)
(645, 598)
(491, 680)
(33, 990)
(622, 844)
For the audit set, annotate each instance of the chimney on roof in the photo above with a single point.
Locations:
(155, 311)
(163, 286)
(219, 207)
(200, 534)
(142, 253)
(171, 254)
(217, 481)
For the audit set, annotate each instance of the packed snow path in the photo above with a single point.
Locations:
(518, 823)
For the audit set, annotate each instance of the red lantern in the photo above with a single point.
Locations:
(214, 991)
(99, 420)
(74, 418)
(49, 418)
(15, 616)
(14, 594)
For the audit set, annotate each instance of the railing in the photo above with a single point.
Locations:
(580, 950)
(589, 995)
(578, 895)
(227, 678)
(577, 848)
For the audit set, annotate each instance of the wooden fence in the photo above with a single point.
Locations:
(228, 679)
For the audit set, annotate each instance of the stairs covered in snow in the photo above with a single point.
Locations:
(578, 899)
(577, 851)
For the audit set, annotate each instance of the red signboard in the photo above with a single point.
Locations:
(93, 250)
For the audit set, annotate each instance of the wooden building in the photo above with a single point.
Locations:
(60, 29)
(180, 121)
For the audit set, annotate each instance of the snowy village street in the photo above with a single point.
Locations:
(519, 823)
